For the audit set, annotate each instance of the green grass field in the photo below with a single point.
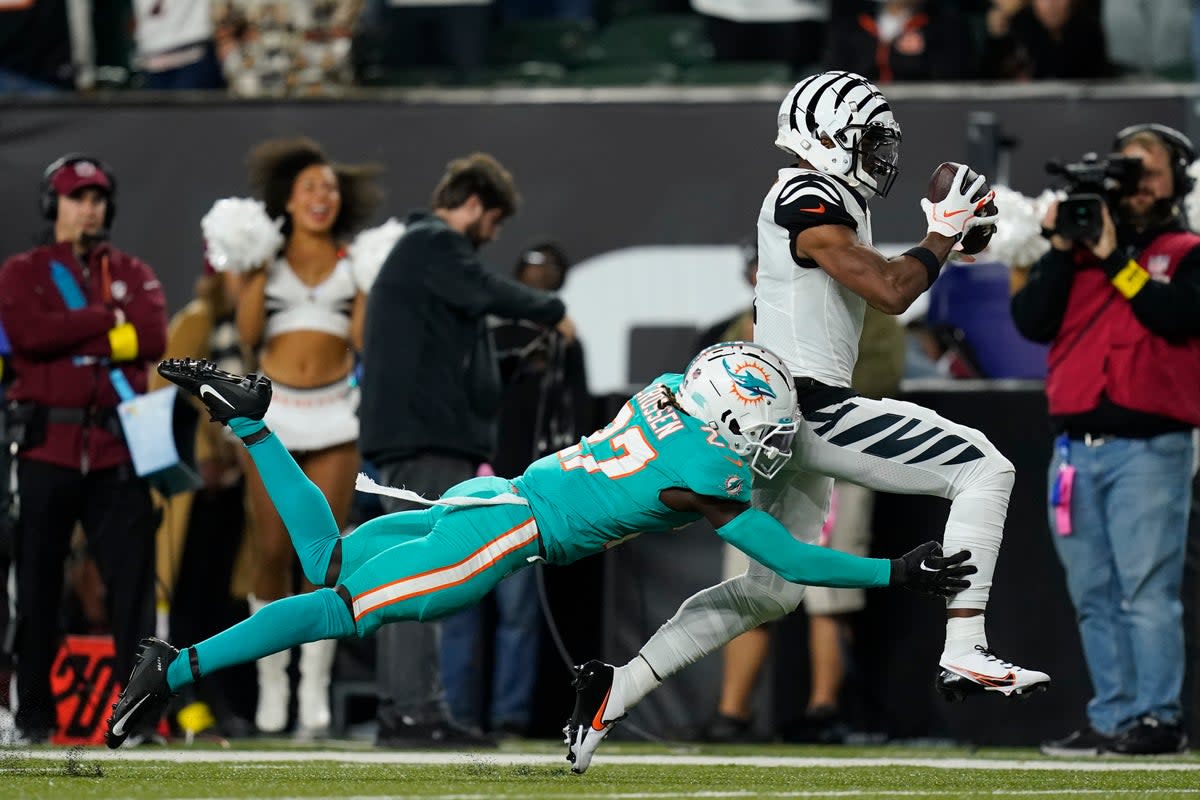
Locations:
(620, 771)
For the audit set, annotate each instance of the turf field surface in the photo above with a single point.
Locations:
(620, 772)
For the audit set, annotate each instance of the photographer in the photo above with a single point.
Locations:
(1118, 299)
(83, 317)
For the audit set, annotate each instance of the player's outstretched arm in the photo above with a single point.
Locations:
(892, 284)
(760, 536)
(889, 284)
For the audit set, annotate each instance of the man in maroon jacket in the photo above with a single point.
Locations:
(80, 315)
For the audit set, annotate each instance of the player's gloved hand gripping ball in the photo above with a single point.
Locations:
(960, 203)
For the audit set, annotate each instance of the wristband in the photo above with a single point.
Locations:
(1130, 279)
(122, 340)
(928, 259)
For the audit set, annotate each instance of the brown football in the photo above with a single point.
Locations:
(939, 186)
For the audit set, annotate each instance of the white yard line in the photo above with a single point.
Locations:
(666, 759)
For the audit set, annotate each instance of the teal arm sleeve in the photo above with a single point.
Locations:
(760, 536)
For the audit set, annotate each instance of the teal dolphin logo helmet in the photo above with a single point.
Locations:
(745, 393)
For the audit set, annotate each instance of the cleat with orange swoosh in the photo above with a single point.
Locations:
(596, 711)
(983, 671)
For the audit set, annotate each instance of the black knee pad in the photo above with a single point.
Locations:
(344, 593)
(335, 565)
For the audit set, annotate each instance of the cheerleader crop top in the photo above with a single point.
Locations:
(293, 305)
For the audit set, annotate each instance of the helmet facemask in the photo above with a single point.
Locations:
(770, 446)
(876, 150)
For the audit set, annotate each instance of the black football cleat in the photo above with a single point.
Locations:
(596, 711)
(145, 696)
(224, 394)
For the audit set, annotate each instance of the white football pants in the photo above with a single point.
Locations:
(888, 445)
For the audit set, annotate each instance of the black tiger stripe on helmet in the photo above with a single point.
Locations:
(841, 124)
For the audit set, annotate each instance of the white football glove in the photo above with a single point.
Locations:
(958, 213)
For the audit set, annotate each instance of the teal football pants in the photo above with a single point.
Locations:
(413, 565)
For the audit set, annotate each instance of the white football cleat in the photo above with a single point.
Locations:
(981, 670)
(596, 711)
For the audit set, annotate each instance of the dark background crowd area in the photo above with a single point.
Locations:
(255, 48)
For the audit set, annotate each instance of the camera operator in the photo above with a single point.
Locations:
(1121, 310)
(83, 317)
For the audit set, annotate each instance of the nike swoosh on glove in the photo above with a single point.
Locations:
(927, 571)
(958, 213)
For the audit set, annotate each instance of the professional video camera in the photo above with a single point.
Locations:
(1091, 183)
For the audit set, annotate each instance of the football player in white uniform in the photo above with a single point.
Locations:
(817, 272)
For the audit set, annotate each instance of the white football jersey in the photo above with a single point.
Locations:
(808, 318)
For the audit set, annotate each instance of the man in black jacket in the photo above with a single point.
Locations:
(1122, 316)
(431, 395)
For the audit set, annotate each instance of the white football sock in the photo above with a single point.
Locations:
(632, 682)
(963, 634)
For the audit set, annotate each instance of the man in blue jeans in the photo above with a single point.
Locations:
(1121, 310)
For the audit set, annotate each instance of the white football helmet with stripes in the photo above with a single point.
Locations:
(842, 125)
(745, 393)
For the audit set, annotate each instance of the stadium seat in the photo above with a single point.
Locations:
(975, 299)
(527, 73)
(655, 349)
(673, 38)
(618, 9)
(560, 41)
(1177, 72)
(111, 26)
(735, 73)
(411, 77)
(622, 75)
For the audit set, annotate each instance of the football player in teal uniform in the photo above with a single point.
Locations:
(686, 447)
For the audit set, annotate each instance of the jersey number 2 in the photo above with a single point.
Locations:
(631, 451)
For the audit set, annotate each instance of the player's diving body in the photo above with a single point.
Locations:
(817, 272)
(683, 448)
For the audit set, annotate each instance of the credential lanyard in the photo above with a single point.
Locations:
(1060, 492)
(72, 296)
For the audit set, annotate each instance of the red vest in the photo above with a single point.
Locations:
(1102, 347)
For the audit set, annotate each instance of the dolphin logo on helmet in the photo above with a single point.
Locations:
(744, 377)
(745, 394)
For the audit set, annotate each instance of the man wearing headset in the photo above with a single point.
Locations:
(1122, 317)
(83, 318)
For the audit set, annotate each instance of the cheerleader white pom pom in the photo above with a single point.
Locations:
(239, 236)
(1191, 203)
(1018, 240)
(369, 250)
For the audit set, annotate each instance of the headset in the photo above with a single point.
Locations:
(49, 197)
(1183, 153)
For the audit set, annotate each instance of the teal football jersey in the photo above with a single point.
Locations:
(592, 495)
